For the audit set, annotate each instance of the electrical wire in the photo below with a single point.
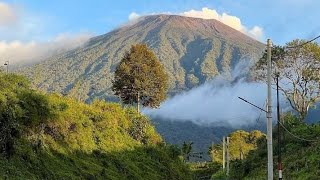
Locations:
(300, 45)
(259, 124)
(296, 136)
(258, 119)
(300, 138)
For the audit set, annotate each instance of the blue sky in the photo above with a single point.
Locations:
(281, 20)
(35, 21)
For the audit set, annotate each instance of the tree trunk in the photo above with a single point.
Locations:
(138, 102)
(303, 115)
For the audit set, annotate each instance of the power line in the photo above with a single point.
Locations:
(300, 138)
(300, 45)
(252, 104)
(259, 125)
(258, 119)
(296, 136)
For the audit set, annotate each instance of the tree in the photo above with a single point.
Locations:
(242, 143)
(186, 149)
(298, 71)
(212, 152)
(140, 78)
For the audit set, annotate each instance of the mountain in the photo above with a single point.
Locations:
(192, 51)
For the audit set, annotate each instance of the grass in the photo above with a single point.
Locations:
(54, 137)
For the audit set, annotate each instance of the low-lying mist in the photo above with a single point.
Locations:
(25, 53)
(216, 102)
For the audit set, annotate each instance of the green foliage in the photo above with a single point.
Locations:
(186, 150)
(300, 158)
(54, 137)
(175, 151)
(221, 175)
(20, 107)
(139, 163)
(204, 170)
(140, 78)
(9, 130)
(178, 132)
(35, 106)
(241, 143)
(137, 130)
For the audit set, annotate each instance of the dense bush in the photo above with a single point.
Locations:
(53, 137)
(20, 107)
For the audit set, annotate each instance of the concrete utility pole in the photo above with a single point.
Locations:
(269, 113)
(224, 153)
(7, 64)
(228, 156)
(279, 131)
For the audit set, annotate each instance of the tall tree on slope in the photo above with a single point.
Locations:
(140, 78)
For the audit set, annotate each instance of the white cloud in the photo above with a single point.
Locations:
(256, 31)
(205, 13)
(232, 21)
(133, 16)
(68, 40)
(24, 38)
(214, 97)
(8, 15)
(20, 53)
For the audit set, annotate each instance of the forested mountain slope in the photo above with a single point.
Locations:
(192, 51)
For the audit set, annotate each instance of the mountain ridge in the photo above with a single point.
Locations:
(192, 50)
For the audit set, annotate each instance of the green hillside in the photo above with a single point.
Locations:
(53, 137)
(300, 157)
(241, 142)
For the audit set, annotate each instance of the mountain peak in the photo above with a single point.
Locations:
(197, 24)
(192, 50)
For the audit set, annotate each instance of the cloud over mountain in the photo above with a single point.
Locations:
(20, 53)
(232, 21)
(21, 32)
(255, 32)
